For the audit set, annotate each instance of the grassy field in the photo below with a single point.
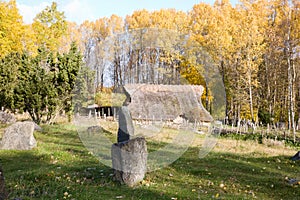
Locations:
(61, 168)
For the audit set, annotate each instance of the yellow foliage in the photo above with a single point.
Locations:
(49, 27)
(12, 29)
(107, 98)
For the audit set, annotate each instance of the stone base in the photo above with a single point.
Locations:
(129, 160)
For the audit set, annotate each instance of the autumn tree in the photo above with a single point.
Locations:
(71, 35)
(12, 29)
(211, 32)
(49, 27)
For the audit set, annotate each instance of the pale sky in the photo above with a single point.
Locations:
(81, 10)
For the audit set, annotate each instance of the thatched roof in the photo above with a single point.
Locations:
(166, 102)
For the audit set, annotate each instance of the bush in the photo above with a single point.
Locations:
(264, 116)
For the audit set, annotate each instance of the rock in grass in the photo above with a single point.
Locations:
(3, 194)
(296, 156)
(7, 118)
(293, 181)
(95, 129)
(129, 161)
(19, 136)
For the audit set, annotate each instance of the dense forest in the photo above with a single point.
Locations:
(255, 45)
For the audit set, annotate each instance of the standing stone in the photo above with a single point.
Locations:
(129, 159)
(3, 194)
(6, 118)
(19, 136)
(126, 129)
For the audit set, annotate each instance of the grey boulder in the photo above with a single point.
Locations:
(7, 118)
(19, 136)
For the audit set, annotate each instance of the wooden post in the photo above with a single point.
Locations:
(114, 113)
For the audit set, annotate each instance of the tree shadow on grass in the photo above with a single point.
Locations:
(31, 176)
(244, 176)
(61, 168)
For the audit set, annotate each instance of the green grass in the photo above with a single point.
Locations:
(61, 168)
